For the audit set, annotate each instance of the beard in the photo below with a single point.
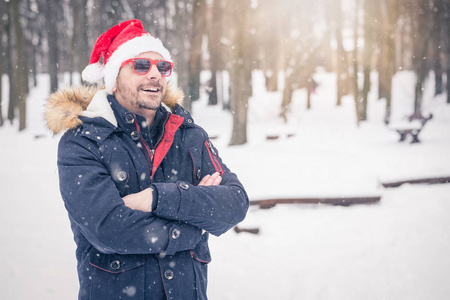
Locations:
(136, 99)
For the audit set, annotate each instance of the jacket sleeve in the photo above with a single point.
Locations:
(97, 210)
(215, 209)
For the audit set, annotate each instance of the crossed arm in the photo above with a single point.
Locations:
(144, 199)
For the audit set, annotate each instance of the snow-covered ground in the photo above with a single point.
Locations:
(396, 249)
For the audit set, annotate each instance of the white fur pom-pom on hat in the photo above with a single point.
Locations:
(93, 73)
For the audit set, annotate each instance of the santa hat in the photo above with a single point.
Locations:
(121, 42)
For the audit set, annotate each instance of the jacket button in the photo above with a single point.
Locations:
(199, 173)
(183, 185)
(122, 175)
(189, 121)
(168, 274)
(135, 135)
(129, 118)
(115, 264)
(175, 233)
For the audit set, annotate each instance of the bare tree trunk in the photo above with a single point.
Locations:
(301, 76)
(445, 19)
(195, 54)
(401, 35)
(73, 43)
(369, 37)
(380, 32)
(182, 28)
(391, 13)
(268, 16)
(83, 43)
(12, 105)
(32, 55)
(112, 16)
(287, 97)
(382, 62)
(96, 24)
(31, 46)
(448, 76)
(78, 51)
(355, 61)
(446, 30)
(271, 80)
(326, 50)
(299, 63)
(421, 37)
(215, 49)
(50, 9)
(2, 58)
(212, 94)
(21, 85)
(438, 42)
(239, 71)
(390, 71)
(341, 61)
(129, 11)
(224, 90)
(310, 87)
(437, 67)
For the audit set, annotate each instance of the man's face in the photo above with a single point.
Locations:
(140, 93)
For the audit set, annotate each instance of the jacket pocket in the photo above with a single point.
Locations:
(201, 251)
(119, 166)
(201, 257)
(116, 276)
(196, 156)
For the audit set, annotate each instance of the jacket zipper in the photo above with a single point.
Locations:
(152, 155)
(213, 156)
(161, 136)
(151, 152)
(209, 144)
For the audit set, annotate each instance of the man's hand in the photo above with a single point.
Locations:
(144, 199)
(140, 201)
(214, 179)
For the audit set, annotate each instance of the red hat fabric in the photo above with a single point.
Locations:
(121, 42)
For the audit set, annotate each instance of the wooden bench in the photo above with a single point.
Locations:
(411, 126)
(342, 201)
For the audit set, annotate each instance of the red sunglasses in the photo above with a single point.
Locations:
(142, 66)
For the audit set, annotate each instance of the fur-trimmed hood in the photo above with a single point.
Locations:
(63, 108)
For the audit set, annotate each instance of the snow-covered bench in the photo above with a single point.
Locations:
(412, 126)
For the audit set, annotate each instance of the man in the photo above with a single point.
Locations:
(142, 183)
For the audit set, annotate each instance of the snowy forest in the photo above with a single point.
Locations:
(282, 38)
(334, 114)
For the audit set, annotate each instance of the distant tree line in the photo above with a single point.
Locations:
(231, 38)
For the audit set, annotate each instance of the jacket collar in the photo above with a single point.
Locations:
(65, 109)
(180, 111)
(129, 122)
(99, 107)
(105, 115)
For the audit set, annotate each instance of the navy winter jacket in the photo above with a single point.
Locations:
(108, 153)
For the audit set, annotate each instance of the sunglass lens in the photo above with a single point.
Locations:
(164, 67)
(141, 66)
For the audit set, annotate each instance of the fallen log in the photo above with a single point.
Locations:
(249, 230)
(342, 201)
(272, 137)
(432, 180)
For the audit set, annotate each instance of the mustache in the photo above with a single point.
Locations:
(150, 85)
